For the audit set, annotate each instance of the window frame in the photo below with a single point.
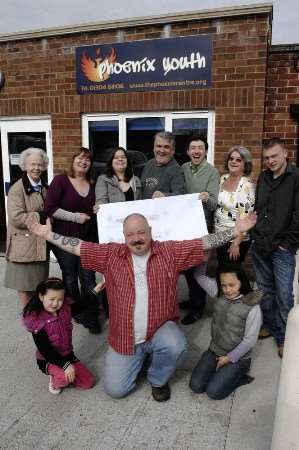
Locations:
(168, 116)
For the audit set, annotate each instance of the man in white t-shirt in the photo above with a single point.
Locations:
(141, 280)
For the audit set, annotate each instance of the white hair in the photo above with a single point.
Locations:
(33, 151)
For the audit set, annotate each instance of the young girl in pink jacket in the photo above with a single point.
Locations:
(48, 316)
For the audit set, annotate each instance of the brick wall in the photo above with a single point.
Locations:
(40, 79)
(282, 91)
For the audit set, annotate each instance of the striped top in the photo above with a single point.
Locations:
(166, 261)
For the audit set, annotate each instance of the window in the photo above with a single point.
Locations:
(136, 132)
(141, 132)
(17, 142)
(17, 134)
(182, 129)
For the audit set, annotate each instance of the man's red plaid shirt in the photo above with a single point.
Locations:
(166, 261)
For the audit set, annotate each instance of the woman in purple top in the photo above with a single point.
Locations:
(70, 201)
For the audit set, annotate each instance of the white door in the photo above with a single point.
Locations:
(17, 134)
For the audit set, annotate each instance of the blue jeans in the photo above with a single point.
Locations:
(167, 348)
(274, 276)
(220, 384)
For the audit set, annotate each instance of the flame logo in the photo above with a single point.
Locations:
(97, 69)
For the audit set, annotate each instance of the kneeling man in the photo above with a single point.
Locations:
(141, 281)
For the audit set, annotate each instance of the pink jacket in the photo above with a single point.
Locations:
(58, 328)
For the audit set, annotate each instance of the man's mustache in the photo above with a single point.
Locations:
(138, 242)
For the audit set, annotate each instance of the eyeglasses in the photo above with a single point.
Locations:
(239, 160)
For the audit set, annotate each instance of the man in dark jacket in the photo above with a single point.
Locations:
(276, 239)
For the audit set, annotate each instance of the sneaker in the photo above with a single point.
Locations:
(161, 393)
(190, 318)
(264, 334)
(280, 351)
(53, 389)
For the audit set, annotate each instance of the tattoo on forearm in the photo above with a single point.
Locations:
(69, 244)
(70, 241)
(217, 239)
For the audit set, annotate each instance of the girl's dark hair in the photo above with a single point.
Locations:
(86, 153)
(129, 169)
(240, 274)
(34, 304)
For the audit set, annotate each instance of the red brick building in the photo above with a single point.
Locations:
(252, 88)
(282, 96)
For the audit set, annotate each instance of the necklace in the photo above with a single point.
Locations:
(83, 193)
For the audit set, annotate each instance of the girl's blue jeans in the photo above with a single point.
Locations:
(220, 384)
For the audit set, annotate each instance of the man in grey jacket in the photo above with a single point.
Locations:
(162, 176)
(203, 178)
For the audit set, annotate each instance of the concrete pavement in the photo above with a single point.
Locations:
(32, 418)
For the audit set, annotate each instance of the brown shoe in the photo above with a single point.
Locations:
(161, 393)
(264, 334)
(280, 351)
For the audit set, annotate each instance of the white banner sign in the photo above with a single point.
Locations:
(171, 218)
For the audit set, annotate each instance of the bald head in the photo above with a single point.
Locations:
(137, 232)
(131, 218)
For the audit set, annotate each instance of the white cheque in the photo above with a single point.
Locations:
(171, 218)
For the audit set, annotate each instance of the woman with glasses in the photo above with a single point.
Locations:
(236, 196)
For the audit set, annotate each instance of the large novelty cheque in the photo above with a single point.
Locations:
(178, 217)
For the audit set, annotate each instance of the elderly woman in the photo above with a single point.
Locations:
(70, 201)
(26, 254)
(236, 196)
(119, 184)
